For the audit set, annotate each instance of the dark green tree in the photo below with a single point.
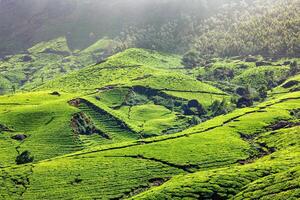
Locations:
(263, 92)
(191, 59)
(294, 68)
(13, 88)
(24, 157)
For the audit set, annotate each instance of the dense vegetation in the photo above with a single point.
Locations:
(25, 23)
(266, 28)
(194, 105)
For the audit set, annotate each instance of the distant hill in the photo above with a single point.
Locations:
(47, 60)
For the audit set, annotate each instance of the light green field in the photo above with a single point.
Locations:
(214, 149)
(137, 125)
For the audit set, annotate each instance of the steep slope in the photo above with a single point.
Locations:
(234, 153)
(38, 122)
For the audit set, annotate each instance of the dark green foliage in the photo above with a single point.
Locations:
(77, 180)
(262, 63)
(19, 137)
(82, 124)
(55, 93)
(165, 25)
(168, 103)
(243, 91)
(191, 59)
(195, 121)
(296, 113)
(223, 73)
(244, 102)
(251, 59)
(267, 28)
(263, 92)
(246, 97)
(294, 68)
(290, 84)
(24, 157)
(194, 108)
(219, 107)
(13, 89)
(133, 99)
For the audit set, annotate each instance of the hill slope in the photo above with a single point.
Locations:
(240, 156)
(48, 60)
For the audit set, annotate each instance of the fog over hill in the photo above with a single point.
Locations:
(24, 23)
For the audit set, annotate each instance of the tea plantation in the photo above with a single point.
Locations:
(139, 125)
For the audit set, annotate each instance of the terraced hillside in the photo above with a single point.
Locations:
(290, 85)
(252, 71)
(111, 128)
(137, 67)
(139, 125)
(149, 100)
(39, 122)
(241, 155)
(48, 60)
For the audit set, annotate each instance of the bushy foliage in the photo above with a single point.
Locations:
(265, 27)
(24, 157)
(191, 59)
(172, 36)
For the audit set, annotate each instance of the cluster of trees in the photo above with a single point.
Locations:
(261, 29)
(173, 36)
(211, 27)
(267, 28)
(24, 157)
(200, 113)
(246, 96)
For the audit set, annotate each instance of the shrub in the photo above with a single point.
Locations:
(24, 157)
(263, 92)
(244, 102)
(242, 91)
(191, 59)
(223, 73)
(195, 121)
(219, 107)
(194, 108)
(294, 68)
(134, 99)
